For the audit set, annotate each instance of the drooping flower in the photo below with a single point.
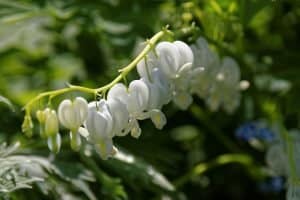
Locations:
(49, 128)
(225, 88)
(136, 99)
(170, 70)
(99, 124)
(72, 115)
(206, 66)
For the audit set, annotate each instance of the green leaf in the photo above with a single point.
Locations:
(140, 174)
(7, 102)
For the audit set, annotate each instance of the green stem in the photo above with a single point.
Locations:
(219, 161)
(123, 72)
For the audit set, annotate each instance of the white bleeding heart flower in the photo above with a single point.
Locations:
(205, 68)
(169, 58)
(120, 116)
(72, 115)
(229, 72)
(136, 99)
(185, 53)
(99, 124)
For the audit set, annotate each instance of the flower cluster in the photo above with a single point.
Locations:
(216, 81)
(173, 71)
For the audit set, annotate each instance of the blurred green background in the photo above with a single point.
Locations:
(46, 44)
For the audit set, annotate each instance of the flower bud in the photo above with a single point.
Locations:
(27, 125)
(99, 122)
(40, 115)
(51, 122)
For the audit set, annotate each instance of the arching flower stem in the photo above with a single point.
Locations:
(123, 73)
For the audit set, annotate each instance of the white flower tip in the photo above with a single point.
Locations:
(136, 131)
(183, 100)
(83, 132)
(54, 143)
(158, 118)
(105, 149)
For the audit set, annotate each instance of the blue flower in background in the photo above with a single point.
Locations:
(274, 184)
(254, 130)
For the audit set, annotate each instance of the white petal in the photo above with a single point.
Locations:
(158, 118)
(120, 115)
(105, 148)
(138, 96)
(66, 114)
(186, 54)
(118, 91)
(154, 95)
(183, 100)
(83, 132)
(96, 125)
(54, 143)
(146, 66)
(230, 70)
(168, 58)
(81, 109)
(136, 130)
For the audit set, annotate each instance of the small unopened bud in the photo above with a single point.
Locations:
(40, 115)
(27, 125)
(51, 123)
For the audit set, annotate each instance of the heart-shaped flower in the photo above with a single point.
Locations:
(72, 115)
(99, 124)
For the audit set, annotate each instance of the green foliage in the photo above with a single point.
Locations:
(46, 44)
